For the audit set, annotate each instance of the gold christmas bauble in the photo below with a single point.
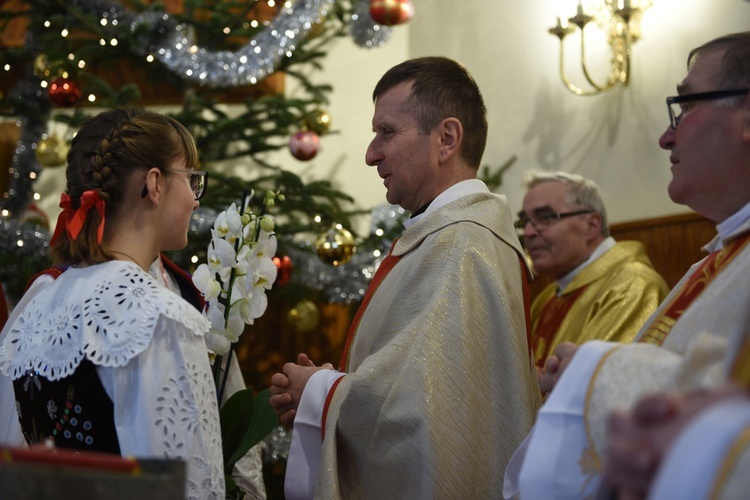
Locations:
(46, 69)
(335, 246)
(41, 64)
(318, 121)
(304, 316)
(317, 29)
(52, 151)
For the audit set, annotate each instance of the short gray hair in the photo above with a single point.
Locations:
(734, 70)
(581, 191)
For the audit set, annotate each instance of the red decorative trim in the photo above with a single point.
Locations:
(385, 267)
(55, 272)
(526, 302)
(327, 404)
(66, 458)
(711, 267)
(179, 272)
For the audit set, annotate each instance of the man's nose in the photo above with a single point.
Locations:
(666, 141)
(373, 155)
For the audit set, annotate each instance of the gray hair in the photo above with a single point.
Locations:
(734, 71)
(581, 191)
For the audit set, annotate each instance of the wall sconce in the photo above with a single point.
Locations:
(620, 22)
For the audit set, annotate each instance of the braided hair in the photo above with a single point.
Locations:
(104, 154)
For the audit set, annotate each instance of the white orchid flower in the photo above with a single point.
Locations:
(204, 280)
(265, 273)
(221, 257)
(235, 325)
(228, 224)
(258, 302)
(266, 246)
(242, 290)
(241, 251)
(216, 339)
(217, 344)
(215, 314)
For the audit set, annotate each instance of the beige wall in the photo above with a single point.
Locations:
(611, 138)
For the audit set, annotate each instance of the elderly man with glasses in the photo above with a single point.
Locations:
(603, 289)
(678, 432)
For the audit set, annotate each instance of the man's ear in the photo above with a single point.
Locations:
(153, 189)
(594, 224)
(451, 137)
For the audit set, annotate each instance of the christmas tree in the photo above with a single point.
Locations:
(75, 58)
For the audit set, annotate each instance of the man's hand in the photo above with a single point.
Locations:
(638, 440)
(555, 366)
(287, 387)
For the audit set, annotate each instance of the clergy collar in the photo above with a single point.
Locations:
(421, 209)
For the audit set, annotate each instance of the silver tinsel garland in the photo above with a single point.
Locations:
(172, 44)
(19, 240)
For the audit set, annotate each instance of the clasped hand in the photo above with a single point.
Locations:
(639, 439)
(555, 366)
(287, 387)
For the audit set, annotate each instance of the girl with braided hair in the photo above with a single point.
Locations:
(105, 357)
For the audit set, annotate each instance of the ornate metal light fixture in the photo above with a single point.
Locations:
(620, 22)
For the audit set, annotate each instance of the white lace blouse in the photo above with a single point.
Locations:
(148, 347)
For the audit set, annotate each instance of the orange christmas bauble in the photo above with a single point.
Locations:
(390, 12)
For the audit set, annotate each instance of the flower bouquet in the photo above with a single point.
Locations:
(234, 280)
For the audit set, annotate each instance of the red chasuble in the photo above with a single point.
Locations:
(553, 313)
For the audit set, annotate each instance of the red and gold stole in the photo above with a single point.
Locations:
(552, 315)
(693, 287)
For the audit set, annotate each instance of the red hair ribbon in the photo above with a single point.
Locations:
(73, 220)
(62, 219)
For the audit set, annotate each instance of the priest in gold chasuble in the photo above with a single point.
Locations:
(603, 289)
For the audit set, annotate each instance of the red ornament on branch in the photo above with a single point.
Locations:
(64, 92)
(390, 12)
(304, 145)
(285, 267)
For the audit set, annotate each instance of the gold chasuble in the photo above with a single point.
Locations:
(439, 387)
(609, 299)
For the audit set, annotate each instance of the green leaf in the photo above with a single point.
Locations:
(245, 421)
(235, 417)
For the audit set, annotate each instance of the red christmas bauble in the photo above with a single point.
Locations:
(304, 145)
(285, 267)
(390, 12)
(64, 92)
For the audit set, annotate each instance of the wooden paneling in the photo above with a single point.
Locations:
(673, 243)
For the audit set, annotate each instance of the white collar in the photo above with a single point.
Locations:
(729, 225)
(456, 191)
